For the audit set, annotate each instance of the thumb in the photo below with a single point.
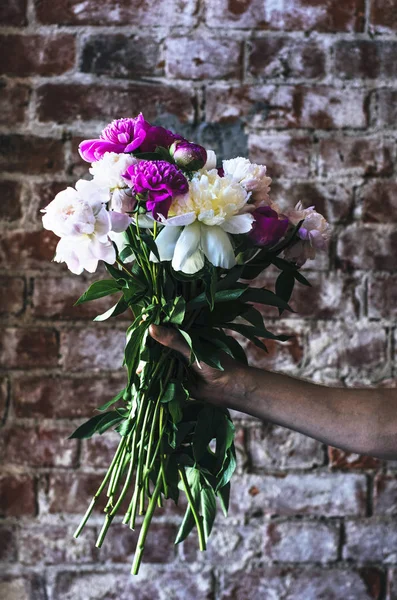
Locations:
(170, 338)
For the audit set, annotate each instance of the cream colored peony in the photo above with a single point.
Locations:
(251, 176)
(200, 222)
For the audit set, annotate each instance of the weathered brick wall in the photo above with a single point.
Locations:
(306, 87)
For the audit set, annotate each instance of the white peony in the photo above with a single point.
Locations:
(200, 222)
(107, 172)
(211, 161)
(79, 217)
(314, 234)
(251, 176)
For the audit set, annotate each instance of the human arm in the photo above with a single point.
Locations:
(356, 420)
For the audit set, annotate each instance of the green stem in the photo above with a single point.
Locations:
(145, 528)
(197, 517)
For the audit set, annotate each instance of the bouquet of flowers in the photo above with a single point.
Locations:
(181, 239)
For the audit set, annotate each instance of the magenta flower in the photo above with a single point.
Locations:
(187, 155)
(160, 181)
(127, 135)
(267, 229)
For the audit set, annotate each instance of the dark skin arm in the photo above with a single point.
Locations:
(356, 420)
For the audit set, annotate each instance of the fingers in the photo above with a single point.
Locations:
(170, 338)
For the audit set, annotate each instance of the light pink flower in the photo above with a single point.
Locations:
(314, 234)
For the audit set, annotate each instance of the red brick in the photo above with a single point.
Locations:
(92, 349)
(64, 103)
(55, 545)
(349, 156)
(283, 155)
(10, 206)
(383, 17)
(326, 494)
(343, 345)
(4, 393)
(367, 59)
(333, 200)
(17, 495)
(301, 541)
(120, 544)
(54, 297)
(98, 451)
(14, 100)
(203, 58)
(382, 294)
(28, 249)
(21, 57)
(329, 16)
(158, 583)
(296, 583)
(281, 107)
(30, 155)
(149, 14)
(385, 495)
(28, 348)
(339, 459)
(385, 103)
(13, 12)
(368, 247)
(62, 398)
(76, 165)
(8, 547)
(122, 56)
(379, 200)
(274, 447)
(370, 540)
(12, 295)
(71, 492)
(40, 446)
(285, 57)
(22, 587)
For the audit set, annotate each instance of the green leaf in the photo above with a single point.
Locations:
(299, 277)
(224, 496)
(95, 424)
(210, 281)
(262, 296)
(261, 332)
(132, 349)
(174, 389)
(227, 469)
(230, 278)
(151, 244)
(175, 410)
(126, 253)
(175, 311)
(207, 352)
(208, 509)
(118, 308)
(125, 427)
(99, 289)
(284, 285)
(186, 526)
(254, 317)
(207, 424)
(221, 296)
(116, 398)
(188, 339)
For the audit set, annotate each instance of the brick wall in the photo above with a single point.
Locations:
(306, 87)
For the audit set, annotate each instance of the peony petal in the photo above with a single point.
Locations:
(119, 221)
(238, 224)
(211, 160)
(194, 263)
(166, 242)
(179, 220)
(186, 246)
(217, 247)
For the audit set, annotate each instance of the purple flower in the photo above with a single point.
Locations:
(187, 155)
(127, 135)
(267, 229)
(160, 181)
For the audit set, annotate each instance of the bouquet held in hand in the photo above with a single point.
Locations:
(181, 238)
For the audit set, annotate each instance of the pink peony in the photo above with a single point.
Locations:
(127, 135)
(314, 234)
(267, 228)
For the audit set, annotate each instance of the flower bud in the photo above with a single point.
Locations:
(188, 156)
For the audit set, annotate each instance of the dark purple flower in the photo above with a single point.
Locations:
(187, 155)
(160, 181)
(127, 135)
(267, 228)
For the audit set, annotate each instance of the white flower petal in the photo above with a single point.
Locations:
(119, 221)
(194, 263)
(166, 242)
(217, 247)
(238, 224)
(211, 160)
(180, 220)
(186, 246)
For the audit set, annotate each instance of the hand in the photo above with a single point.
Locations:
(222, 388)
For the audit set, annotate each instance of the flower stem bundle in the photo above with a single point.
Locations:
(182, 240)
